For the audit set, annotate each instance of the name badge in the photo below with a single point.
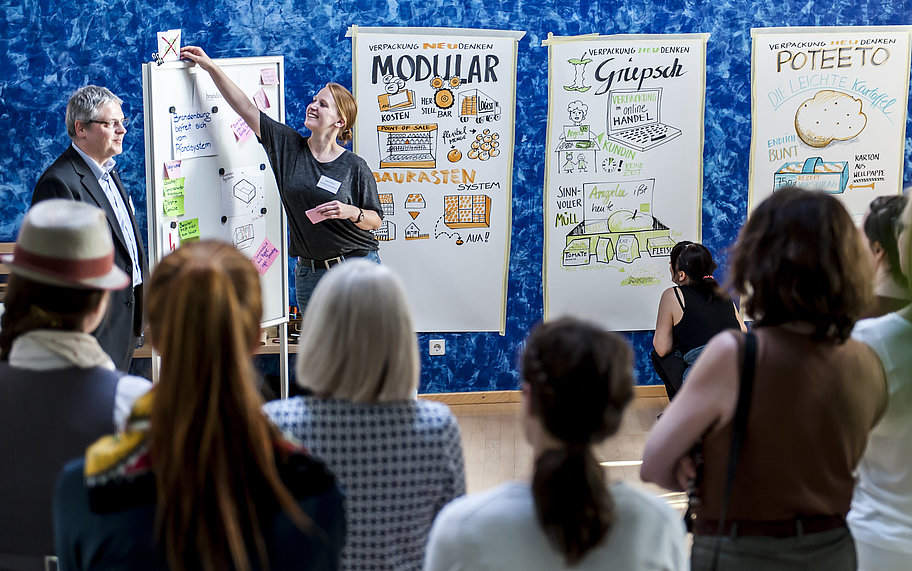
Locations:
(329, 184)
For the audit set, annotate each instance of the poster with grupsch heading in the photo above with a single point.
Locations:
(829, 111)
(624, 174)
(435, 124)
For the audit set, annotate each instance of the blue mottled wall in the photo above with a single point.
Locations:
(49, 48)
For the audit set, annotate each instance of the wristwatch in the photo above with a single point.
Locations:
(360, 216)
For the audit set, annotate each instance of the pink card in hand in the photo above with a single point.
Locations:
(315, 216)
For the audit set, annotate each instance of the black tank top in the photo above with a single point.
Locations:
(702, 319)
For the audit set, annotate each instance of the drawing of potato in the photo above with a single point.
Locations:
(828, 116)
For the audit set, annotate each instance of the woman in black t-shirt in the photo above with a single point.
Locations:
(329, 193)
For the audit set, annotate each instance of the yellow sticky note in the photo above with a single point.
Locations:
(189, 230)
(174, 206)
(174, 186)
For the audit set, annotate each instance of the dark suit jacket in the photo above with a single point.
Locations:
(71, 178)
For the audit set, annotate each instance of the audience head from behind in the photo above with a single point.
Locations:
(800, 258)
(357, 338)
(881, 227)
(211, 446)
(692, 264)
(60, 272)
(577, 380)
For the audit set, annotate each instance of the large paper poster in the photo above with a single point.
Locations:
(623, 181)
(829, 111)
(435, 124)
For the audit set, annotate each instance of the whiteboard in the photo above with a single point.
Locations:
(228, 191)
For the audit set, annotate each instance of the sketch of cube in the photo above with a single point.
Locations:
(245, 191)
(386, 232)
(468, 211)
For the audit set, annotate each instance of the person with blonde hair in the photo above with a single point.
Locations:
(398, 459)
(329, 193)
(200, 479)
(881, 514)
(59, 390)
(577, 381)
(811, 396)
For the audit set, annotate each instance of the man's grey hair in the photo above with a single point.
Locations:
(84, 103)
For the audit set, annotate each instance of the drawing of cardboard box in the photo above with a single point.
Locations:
(813, 174)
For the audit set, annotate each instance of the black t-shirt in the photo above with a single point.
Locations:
(305, 183)
(702, 319)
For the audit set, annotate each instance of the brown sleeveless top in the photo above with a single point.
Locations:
(813, 405)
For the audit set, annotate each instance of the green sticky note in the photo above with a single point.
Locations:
(644, 207)
(174, 187)
(174, 206)
(189, 230)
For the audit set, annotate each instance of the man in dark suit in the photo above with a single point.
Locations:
(85, 172)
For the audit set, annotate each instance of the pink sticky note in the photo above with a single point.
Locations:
(242, 131)
(268, 76)
(265, 255)
(173, 169)
(262, 102)
(315, 216)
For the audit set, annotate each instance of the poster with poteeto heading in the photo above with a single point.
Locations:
(623, 181)
(435, 124)
(829, 111)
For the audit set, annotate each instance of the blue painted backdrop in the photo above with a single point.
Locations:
(49, 48)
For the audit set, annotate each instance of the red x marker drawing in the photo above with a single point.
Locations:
(170, 47)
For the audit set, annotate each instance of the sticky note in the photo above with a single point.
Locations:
(265, 255)
(262, 102)
(268, 76)
(189, 230)
(172, 169)
(242, 130)
(170, 237)
(169, 45)
(174, 205)
(174, 187)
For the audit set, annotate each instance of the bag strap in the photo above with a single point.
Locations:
(745, 390)
(678, 295)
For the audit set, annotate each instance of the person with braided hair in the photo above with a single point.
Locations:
(577, 381)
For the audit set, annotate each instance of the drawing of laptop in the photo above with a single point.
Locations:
(634, 119)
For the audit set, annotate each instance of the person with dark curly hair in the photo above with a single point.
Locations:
(816, 396)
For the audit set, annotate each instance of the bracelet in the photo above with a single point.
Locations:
(360, 215)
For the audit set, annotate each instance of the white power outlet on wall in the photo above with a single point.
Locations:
(437, 347)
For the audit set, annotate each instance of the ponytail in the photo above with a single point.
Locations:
(580, 379)
(572, 502)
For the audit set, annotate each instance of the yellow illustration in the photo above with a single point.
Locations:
(829, 116)
(473, 104)
(412, 232)
(467, 211)
(485, 146)
(397, 97)
(414, 203)
(386, 204)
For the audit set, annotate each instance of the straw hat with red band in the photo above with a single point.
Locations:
(66, 243)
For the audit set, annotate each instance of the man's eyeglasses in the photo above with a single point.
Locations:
(113, 123)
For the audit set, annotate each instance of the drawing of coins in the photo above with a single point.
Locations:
(437, 82)
(454, 82)
(444, 98)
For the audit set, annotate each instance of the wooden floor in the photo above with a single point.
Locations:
(496, 450)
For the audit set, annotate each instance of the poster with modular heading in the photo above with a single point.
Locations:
(624, 171)
(828, 107)
(435, 124)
